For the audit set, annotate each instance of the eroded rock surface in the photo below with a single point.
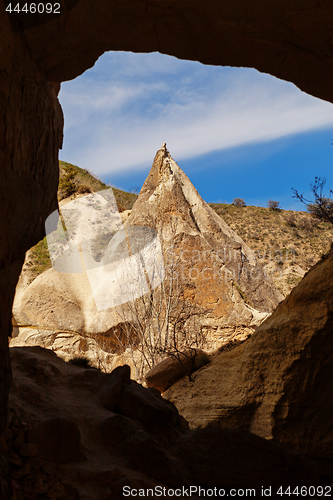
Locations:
(31, 125)
(167, 372)
(286, 39)
(278, 383)
(279, 40)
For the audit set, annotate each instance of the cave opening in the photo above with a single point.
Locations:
(255, 135)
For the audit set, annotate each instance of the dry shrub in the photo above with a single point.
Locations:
(239, 202)
(291, 219)
(306, 224)
(84, 190)
(273, 205)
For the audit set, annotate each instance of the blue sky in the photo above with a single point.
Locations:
(234, 131)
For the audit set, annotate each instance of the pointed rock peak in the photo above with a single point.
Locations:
(161, 163)
(170, 203)
(160, 171)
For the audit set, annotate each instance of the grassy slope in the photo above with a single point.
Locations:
(73, 179)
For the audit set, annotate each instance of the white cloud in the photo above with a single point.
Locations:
(120, 112)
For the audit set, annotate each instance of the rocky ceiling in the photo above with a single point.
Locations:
(291, 39)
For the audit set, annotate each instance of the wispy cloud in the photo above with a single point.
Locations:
(120, 112)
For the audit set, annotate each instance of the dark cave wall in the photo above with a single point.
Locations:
(289, 39)
(31, 126)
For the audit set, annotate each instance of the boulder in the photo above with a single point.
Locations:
(167, 372)
(148, 408)
(112, 391)
(260, 459)
(145, 444)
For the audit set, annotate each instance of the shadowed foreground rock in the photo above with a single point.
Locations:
(61, 440)
(278, 384)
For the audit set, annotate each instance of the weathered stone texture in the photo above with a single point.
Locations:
(60, 432)
(288, 39)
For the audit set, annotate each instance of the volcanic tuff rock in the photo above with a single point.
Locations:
(217, 267)
(224, 273)
(169, 370)
(278, 383)
(287, 39)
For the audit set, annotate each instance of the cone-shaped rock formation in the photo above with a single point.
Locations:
(218, 272)
(225, 276)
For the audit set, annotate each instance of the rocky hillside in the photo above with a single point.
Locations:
(288, 243)
(75, 180)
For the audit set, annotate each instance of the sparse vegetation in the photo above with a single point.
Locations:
(306, 238)
(242, 294)
(76, 180)
(67, 185)
(239, 202)
(266, 231)
(166, 320)
(273, 205)
(290, 219)
(38, 259)
(321, 207)
(84, 190)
